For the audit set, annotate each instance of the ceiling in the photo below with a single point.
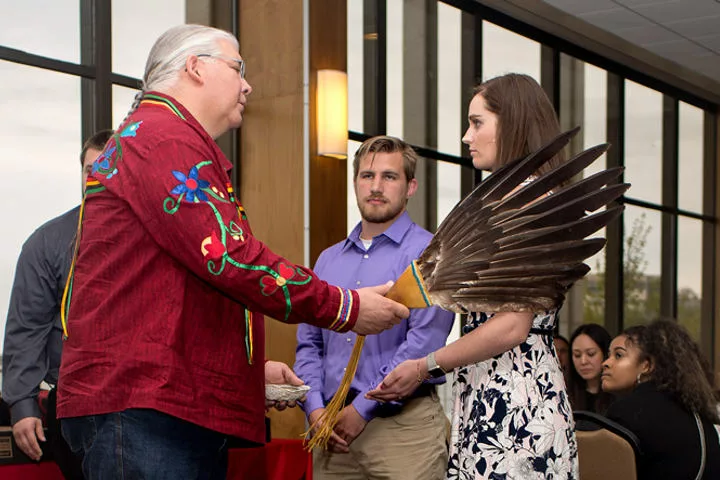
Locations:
(683, 31)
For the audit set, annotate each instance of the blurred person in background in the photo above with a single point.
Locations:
(665, 397)
(589, 345)
(562, 348)
(33, 332)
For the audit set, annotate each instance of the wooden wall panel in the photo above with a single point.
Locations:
(271, 170)
(328, 184)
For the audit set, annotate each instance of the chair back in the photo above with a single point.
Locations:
(606, 450)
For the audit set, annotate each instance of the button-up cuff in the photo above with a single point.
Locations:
(366, 408)
(313, 401)
(27, 407)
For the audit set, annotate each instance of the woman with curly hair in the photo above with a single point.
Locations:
(589, 345)
(666, 398)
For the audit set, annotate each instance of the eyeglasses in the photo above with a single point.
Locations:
(235, 63)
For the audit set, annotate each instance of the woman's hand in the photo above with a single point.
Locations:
(401, 382)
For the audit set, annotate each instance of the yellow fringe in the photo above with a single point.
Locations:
(66, 291)
(329, 418)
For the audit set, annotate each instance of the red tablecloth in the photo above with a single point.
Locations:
(280, 459)
(31, 471)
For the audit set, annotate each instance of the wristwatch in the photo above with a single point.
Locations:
(434, 370)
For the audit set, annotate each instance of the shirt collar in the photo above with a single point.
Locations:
(176, 108)
(395, 232)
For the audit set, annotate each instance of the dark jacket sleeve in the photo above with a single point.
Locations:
(31, 315)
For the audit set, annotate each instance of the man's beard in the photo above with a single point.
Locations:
(380, 216)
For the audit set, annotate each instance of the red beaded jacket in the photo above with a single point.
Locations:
(168, 286)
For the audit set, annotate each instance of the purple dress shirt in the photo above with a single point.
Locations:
(322, 355)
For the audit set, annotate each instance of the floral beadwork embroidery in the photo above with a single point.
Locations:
(106, 164)
(283, 276)
(190, 185)
(214, 247)
(194, 189)
(102, 163)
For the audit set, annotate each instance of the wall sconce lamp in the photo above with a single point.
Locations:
(332, 113)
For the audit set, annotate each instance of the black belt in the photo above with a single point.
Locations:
(542, 331)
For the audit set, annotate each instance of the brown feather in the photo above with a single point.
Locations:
(574, 230)
(567, 194)
(509, 245)
(552, 179)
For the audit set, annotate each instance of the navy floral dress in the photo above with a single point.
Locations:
(512, 418)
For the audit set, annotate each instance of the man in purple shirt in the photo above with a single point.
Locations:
(398, 440)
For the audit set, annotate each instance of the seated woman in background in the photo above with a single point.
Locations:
(589, 345)
(665, 397)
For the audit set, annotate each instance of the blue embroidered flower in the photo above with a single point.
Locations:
(130, 130)
(102, 163)
(190, 185)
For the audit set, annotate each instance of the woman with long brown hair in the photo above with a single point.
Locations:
(665, 397)
(511, 417)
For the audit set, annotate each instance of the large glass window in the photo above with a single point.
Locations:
(136, 24)
(123, 99)
(42, 27)
(643, 142)
(594, 128)
(355, 56)
(594, 132)
(690, 158)
(690, 231)
(40, 125)
(689, 275)
(394, 65)
(641, 265)
(449, 129)
(505, 51)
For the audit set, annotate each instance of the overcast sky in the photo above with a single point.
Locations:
(40, 115)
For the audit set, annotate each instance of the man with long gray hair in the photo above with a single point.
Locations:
(164, 358)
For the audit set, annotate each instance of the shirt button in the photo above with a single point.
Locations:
(366, 256)
(357, 283)
(349, 340)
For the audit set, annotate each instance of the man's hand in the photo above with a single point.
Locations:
(279, 373)
(27, 432)
(350, 424)
(378, 313)
(335, 444)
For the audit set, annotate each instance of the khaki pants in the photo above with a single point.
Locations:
(411, 445)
